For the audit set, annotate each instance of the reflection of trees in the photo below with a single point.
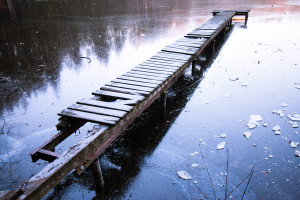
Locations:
(35, 41)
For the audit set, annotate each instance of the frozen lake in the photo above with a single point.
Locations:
(255, 72)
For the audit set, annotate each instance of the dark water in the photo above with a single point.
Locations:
(41, 43)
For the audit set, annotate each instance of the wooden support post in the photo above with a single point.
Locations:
(193, 67)
(246, 19)
(213, 46)
(163, 97)
(98, 178)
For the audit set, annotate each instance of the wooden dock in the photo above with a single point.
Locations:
(115, 105)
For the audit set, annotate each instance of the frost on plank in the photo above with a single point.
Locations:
(294, 117)
(247, 134)
(294, 144)
(184, 175)
(221, 145)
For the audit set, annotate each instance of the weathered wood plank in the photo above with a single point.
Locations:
(162, 76)
(103, 104)
(217, 22)
(137, 83)
(191, 51)
(185, 40)
(168, 55)
(98, 110)
(194, 42)
(158, 68)
(47, 155)
(90, 117)
(198, 36)
(125, 91)
(174, 63)
(166, 66)
(168, 58)
(140, 79)
(202, 32)
(118, 95)
(151, 71)
(187, 57)
(185, 45)
(143, 76)
(133, 87)
(225, 12)
(170, 63)
(184, 48)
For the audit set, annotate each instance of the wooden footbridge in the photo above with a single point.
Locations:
(115, 105)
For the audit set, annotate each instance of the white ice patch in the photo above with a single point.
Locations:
(277, 132)
(297, 153)
(184, 175)
(294, 117)
(265, 124)
(276, 128)
(278, 112)
(294, 144)
(297, 85)
(195, 153)
(244, 84)
(221, 145)
(294, 124)
(195, 165)
(247, 134)
(284, 105)
(233, 78)
(256, 117)
(253, 122)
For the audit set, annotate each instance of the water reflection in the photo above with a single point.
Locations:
(43, 34)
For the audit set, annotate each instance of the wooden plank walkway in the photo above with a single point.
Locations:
(118, 103)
